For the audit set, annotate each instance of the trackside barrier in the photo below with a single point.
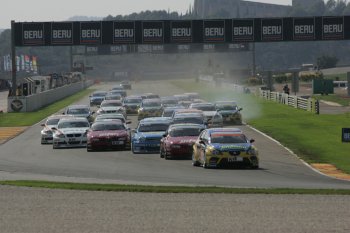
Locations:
(310, 105)
(34, 102)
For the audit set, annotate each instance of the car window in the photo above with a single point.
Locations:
(75, 111)
(73, 124)
(152, 127)
(102, 127)
(183, 132)
(228, 138)
(52, 121)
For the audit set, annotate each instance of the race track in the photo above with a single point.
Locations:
(24, 158)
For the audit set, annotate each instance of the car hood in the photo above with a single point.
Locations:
(73, 130)
(111, 108)
(231, 147)
(188, 140)
(108, 133)
(149, 134)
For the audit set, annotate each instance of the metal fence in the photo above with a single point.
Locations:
(307, 104)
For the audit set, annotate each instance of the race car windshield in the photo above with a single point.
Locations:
(151, 104)
(192, 120)
(113, 97)
(153, 128)
(73, 124)
(205, 108)
(103, 127)
(227, 138)
(77, 111)
(133, 101)
(99, 94)
(111, 104)
(190, 132)
(226, 107)
(52, 121)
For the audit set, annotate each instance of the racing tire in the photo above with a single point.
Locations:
(195, 163)
(161, 154)
(167, 156)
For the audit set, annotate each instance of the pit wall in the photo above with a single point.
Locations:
(37, 101)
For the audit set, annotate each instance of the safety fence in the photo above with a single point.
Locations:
(307, 104)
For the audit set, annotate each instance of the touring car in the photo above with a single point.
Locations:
(230, 112)
(97, 97)
(224, 147)
(71, 132)
(150, 108)
(108, 134)
(47, 132)
(132, 104)
(213, 117)
(111, 106)
(80, 111)
(147, 135)
(178, 141)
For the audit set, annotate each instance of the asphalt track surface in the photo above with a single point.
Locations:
(24, 158)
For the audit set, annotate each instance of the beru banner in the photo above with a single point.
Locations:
(213, 31)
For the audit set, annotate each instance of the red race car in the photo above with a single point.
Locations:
(178, 141)
(108, 134)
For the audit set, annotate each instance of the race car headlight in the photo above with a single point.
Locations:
(251, 151)
(59, 135)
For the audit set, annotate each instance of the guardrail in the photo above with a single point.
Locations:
(307, 104)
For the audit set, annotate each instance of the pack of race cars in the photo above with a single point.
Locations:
(179, 126)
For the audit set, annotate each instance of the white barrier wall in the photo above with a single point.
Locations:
(34, 102)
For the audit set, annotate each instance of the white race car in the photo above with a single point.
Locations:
(71, 132)
(47, 132)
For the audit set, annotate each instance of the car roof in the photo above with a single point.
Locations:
(151, 100)
(156, 119)
(117, 121)
(78, 106)
(133, 97)
(186, 125)
(103, 115)
(74, 119)
(224, 130)
(111, 101)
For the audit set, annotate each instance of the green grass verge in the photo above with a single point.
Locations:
(170, 189)
(30, 118)
(315, 138)
(333, 98)
(342, 77)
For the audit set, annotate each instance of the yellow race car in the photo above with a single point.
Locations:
(224, 147)
(150, 108)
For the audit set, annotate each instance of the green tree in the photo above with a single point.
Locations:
(326, 61)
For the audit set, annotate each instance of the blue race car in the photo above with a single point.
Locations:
(147, 136)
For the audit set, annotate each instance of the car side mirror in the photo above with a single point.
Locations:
(201, 141)
(133, 130)
(43, 125)
(54, 128)
(252, 141)
(128, 122)
(165, 135)
(63, 113)
(240, 109)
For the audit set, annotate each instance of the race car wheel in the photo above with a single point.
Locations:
(166, 156)
(161, 153)
(195, 163)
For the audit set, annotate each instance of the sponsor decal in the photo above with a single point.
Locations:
(90, 33)
(304, 29)
(181, 31)
(333, 28)
(118, 49)
(62, 33)
(214, 31)
(123, 32)
(153, 32)
(91, 50)
(243, 30)
(272, 30)
(33, 34)
(16, 105)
